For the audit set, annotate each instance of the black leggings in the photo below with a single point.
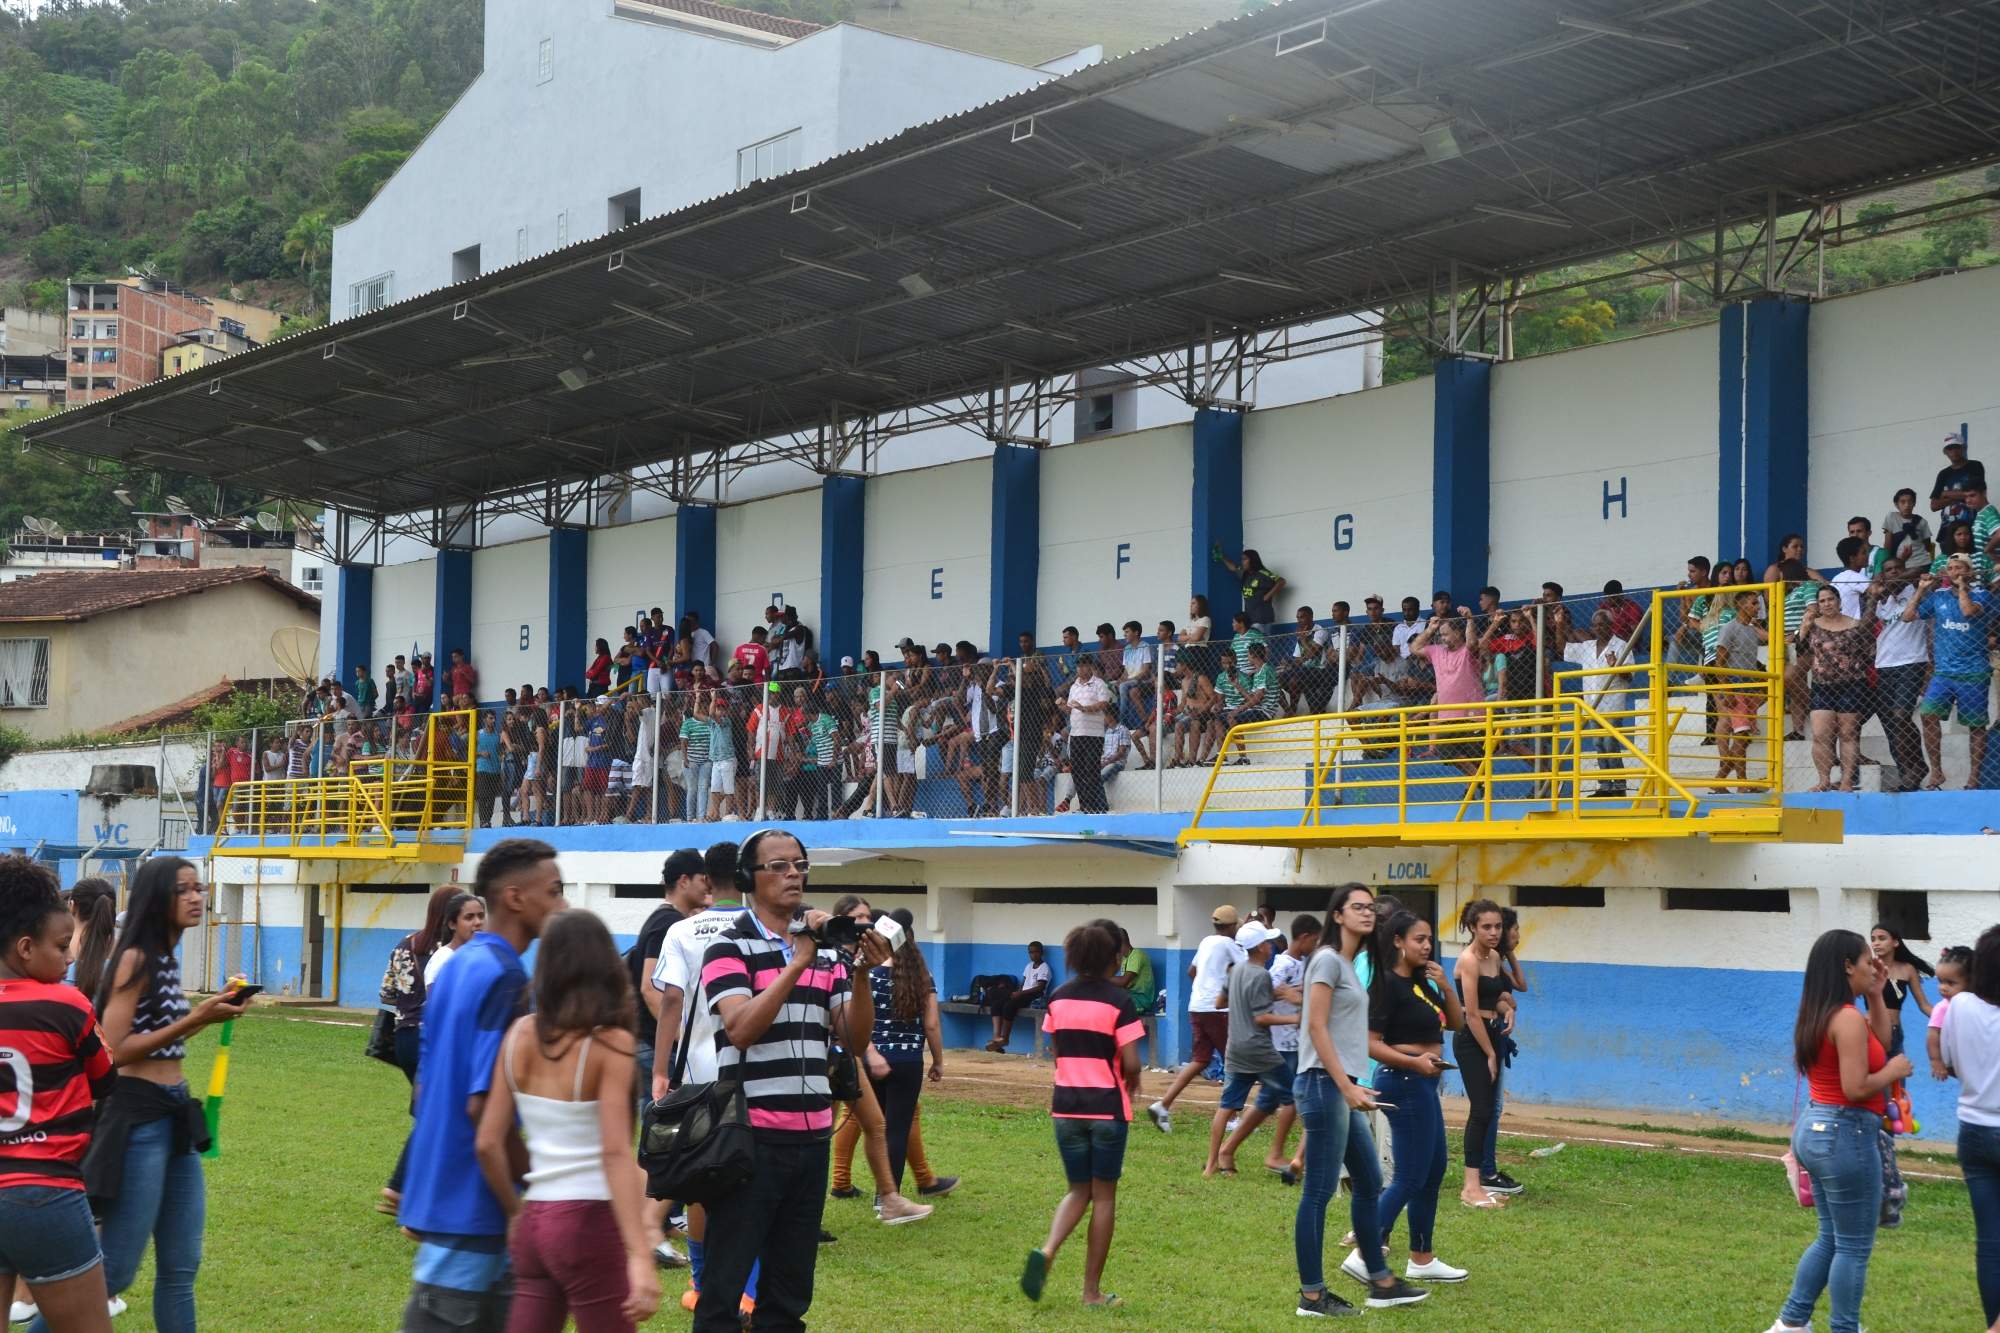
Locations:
(1482, 1092)
(897, 1094)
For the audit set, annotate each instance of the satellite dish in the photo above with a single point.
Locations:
(178, 505)
(50, 528)
(268, 522)
(296, 651)
(34, 525)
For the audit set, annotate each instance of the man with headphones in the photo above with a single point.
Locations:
(775, 991)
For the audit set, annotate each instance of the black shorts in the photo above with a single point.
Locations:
(1850, 697)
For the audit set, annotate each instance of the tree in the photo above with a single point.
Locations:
(360, 176)
(1874, 217)
(1950, 241)
(309, 244)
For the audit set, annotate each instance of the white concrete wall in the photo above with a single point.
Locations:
(510, 603)
(632, 567)
(927, 565)
(1128, 491)
(1352, 469)
(405, 611)
(1889, 373)
(515, 153)
(1635, 417)
(765, 550)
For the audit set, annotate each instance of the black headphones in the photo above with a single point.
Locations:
(746, 869)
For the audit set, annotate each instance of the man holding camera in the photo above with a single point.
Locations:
(775, 987)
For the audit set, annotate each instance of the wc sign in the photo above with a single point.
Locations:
(111, 835)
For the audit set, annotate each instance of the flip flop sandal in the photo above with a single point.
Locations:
(1284, 1173)
(1035, 1274)
(1110, 1302)
(1488, 1202)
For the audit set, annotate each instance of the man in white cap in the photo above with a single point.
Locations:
(1251, 1058)
(1958, 472)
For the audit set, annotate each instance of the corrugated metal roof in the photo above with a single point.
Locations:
(1266, 171)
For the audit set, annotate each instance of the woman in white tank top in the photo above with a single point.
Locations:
(567, 1074)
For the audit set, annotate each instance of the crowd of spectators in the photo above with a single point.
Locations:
(669, 726)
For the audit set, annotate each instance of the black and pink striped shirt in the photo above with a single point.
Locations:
(783, 1073)
(1089, 1021)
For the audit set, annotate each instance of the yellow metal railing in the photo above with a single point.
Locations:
(1611, 752)
(383, 807)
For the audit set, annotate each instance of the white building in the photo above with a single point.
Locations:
(589, 117)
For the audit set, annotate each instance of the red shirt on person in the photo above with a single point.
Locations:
(464, 679)
(1823, 1079)
(57, 1065)
(238, 760)
(757, 657)
(1089, 1021)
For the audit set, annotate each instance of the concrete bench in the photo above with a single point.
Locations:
(967, 1009)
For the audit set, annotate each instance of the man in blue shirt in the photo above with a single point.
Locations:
(1958, 650)
(461, 1279)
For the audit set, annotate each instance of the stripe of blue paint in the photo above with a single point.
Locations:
(355, 628)
(1761, 442)
(694, 563)
(1217, 514)
(1016, 545)
(1461, 474)
(452, 628)
(569, 603)
(843, 520)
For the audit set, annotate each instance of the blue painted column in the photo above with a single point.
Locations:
(354, 631)
(843, 525)
(1761, 431)
(1218, 513)
(1016, 545)
(569, 606)
(452, 627)
(694, 563)
(1461, 475)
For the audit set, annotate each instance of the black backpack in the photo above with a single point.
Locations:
(695, 1144)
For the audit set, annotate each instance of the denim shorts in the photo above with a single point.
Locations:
(1274, 1087)
(46, 1233)
(1091, 1149)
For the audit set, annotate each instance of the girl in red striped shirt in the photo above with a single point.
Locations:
(1094, 1037)
(53, 1066)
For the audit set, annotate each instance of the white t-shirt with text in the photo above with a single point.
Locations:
(680, 967)
(1213, 958)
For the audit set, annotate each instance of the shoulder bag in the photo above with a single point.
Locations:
(695, 1143)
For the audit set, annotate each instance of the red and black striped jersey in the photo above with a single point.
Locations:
(53, 1066)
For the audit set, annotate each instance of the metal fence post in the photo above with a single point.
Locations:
(1159, 728)
(659, 711)
(1013, 797)
(878, 734)
(761, 741)
(562, 723)
(1541, 659)
(1339, 706)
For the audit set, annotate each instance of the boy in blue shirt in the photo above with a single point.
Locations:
(1958, 650)
(462, 1280)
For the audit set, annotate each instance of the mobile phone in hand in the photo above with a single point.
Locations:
(242, 994)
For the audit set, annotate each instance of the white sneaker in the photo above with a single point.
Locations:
(21, 1312)
(1354, 1268)
(1437, 1270)
(1234, 1121)
(666, 1256)
(1162, 1119)
(116, 1307)
(1782, 1327)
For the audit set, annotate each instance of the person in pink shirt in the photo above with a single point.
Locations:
(1454, 662)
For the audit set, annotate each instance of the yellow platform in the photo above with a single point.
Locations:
(414, 804)
(1614, 754)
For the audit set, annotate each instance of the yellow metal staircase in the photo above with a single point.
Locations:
(1611, 754)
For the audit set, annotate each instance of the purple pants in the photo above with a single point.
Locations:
(569, 1262)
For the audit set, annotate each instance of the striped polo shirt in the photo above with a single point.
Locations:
(53, 1065)
(1089, 1021)
(784, 1073)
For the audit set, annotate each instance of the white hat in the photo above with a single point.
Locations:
(1253, 933)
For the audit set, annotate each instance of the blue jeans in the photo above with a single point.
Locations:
(1334, 1132)
(1979, 1158)
(162, 1198)
(1839, 1147)
(1416, 1141)
(698, 778)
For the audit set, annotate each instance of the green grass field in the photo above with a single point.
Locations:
(1605, 1239)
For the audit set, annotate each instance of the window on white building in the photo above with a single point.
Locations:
(520, 244)
(24, 673)
(562, 229)
(545, 62)
(621, 210)
(772, 157)
(465, 264)
(371, 294)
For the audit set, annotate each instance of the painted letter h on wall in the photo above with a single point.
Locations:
(1618, 499)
